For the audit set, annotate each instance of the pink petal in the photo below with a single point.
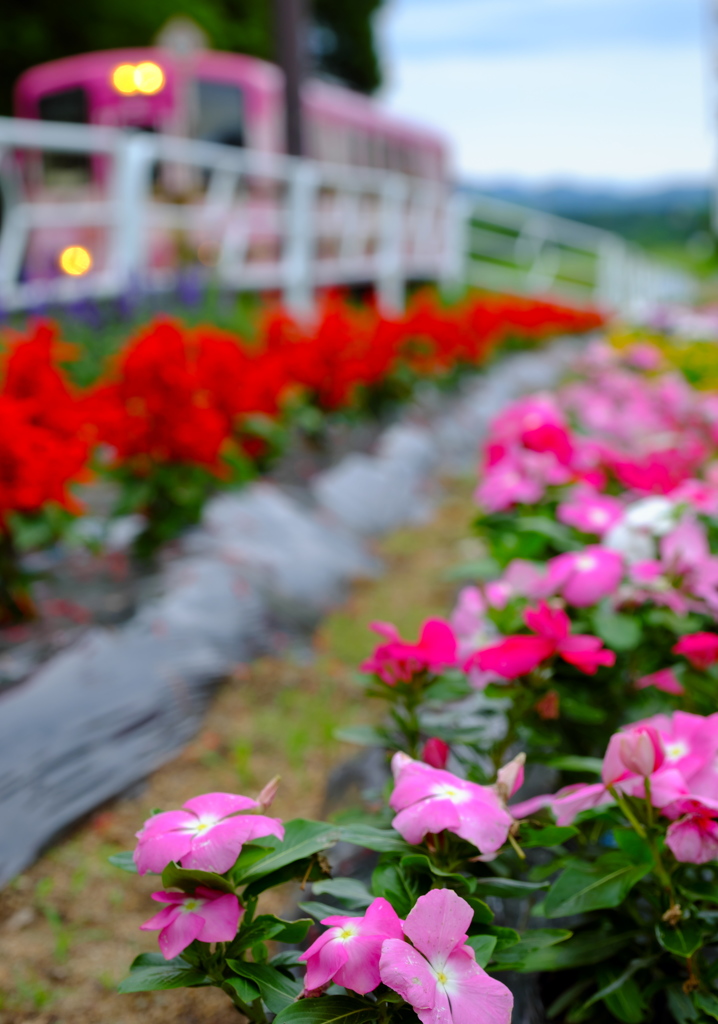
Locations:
(385, 629)
(323, 964)
(438, 640)
(183, 930)
(404, 969)
(167, 821)
(484, 824)
(381, 919)
(416, 780)
(260, 825)
(221, 919)
(424, 817)
(154, 853)
(218, 848)
(160, 920)
(550, 623)
(475, 997)
(665, 680)
(360, 973)
(219, 805)
(438, 923)
(516, 656)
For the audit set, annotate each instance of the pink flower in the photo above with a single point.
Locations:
(207, 834)
(585, 577)
(693, 839)
(508, 483)
(518, 655)
(348, 952)
(640, 750)
(437, 974)
(665, 680)
(435, 752)
(207, 915)
(701, 649)
(429, 800)
(399, 661)
(590, 512)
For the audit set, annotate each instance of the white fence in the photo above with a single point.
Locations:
(254, 221)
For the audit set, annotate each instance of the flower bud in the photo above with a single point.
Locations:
(510, 778)
(641, 750)
(435, 752)
(266, 797)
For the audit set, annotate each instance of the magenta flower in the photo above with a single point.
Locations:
(437, 974)
(399, 661)
(701, 649)
(207, 915)
(207, 834)
(429, 800)
(348, 952)
(693, 838)
(435, 752)
(518, 655)
(665, 679)
(585, 577)
(590, 512)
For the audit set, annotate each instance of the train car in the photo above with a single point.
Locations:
(206, 95)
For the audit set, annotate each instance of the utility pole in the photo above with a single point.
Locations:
(290, 36)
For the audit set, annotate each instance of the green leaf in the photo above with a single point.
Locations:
(349, 889)
(580, 950)
(250, 855)
(621, 632)
(549, 528)
(552, 835)
(150, 972)
(448, 688)
(627, 1002)
(187, 880)
(483, 914)
(362, 735)
(683, 940)
(519, 955)
(245, 989)
(276, 988)
(681, 1005)
(420, 863)
(573, 763)
(706, 1002)
(321, 910)
(483, 946)
(700, 890)
(382, 840)
(505, 937)
(302, 838)
(328, 1010)
(636, 849)
(508, 888)
(582, 886)
(481, 569)
(389, 881)
(124, 862)
(578, 711)
(269, 926)
(619, 979)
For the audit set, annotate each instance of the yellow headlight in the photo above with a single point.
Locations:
(149, 78)
(75, 260)
(123, 79)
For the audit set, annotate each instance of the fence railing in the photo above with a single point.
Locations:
(162, 205)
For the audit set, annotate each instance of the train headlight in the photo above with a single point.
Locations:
(149, 78)
(75, 260)
(123, 79)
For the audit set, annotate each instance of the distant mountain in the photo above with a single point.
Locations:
(652, 217)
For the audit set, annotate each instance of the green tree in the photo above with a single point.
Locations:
(35, 31)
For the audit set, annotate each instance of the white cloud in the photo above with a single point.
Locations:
(621, 113)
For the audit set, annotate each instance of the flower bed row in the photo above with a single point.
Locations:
(592, 629)
(181, 412)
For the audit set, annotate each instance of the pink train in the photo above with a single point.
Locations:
(219, 97)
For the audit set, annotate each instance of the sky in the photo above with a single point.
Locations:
(539, 91)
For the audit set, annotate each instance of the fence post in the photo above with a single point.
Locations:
(298, 258)
(391, 278)
(130, 193)
(456, 254)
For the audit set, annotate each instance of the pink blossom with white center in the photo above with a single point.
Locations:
(585, 577)
(436, 973)
(429, 800)
(690, 743)
(348, 952)
(207, 834)
(207, 915)
(590, 512)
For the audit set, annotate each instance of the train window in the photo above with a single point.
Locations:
(220, 113)
(68, 105)
(69, 169)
